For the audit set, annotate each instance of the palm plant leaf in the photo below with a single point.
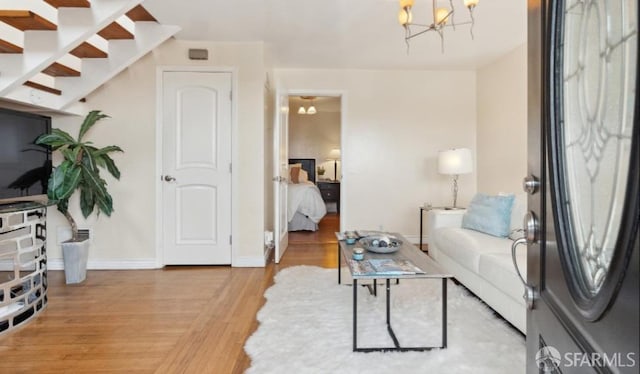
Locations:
(90, 120)
(87, 201)
(88, 159)
(93, 181)
(105, 203)
(56, 139)
(107, 149)
(111, 166)
(64, 181)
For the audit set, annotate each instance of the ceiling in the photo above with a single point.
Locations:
(358, 34)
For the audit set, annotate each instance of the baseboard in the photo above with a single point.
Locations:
(248, 262)
(130, 264)
(136, 264)
(267, 254)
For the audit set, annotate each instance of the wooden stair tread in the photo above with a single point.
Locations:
(115, 31)
(41, 87)
(87, 50)
(68, 3)
(58, 70)
(6, 47)
(25, 20)
(139, 13)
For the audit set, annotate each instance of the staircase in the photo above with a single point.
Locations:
(55, 52)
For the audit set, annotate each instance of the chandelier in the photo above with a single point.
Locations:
(442, 17)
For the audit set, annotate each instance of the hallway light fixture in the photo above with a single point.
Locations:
(311, 109)
(442, 17)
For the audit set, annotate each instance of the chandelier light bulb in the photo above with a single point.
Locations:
(406, 4)
(471, 3)
(442, 16)
(404, 17)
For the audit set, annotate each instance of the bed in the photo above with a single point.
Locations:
(305, 207)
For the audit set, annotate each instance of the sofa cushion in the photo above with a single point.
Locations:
(498, 269)
(467, 246)
(489, 214)
(518, 211)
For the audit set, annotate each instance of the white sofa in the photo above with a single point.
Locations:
(481, 262)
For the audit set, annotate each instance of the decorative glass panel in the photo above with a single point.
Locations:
(598, 95)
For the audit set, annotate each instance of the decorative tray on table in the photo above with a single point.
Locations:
(381, 243)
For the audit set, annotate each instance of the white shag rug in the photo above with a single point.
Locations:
(306, 327)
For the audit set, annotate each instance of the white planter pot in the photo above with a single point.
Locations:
(75, 255)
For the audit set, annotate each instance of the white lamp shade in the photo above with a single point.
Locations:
(334, 154)
(311, 110)
(455, 161)
(301, 110)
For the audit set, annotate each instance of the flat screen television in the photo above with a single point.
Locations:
(24, 166)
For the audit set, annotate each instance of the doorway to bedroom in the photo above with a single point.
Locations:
(315, 137)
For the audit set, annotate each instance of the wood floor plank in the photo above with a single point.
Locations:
(175, 320)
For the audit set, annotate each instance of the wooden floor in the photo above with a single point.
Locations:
(174, 320)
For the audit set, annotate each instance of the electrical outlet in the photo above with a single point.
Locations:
(268, 236)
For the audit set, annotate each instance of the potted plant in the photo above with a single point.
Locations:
(79, 170)
(321, 170)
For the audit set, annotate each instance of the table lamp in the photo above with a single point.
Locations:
(334, 156)
(455, 162)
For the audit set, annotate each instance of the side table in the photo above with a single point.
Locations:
(424, 209)
(330, 192)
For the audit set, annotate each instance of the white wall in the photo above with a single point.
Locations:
(395, 122)
(314, 136)
(128, 238)
(502, 123)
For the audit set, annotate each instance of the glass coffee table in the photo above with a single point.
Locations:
(408, 262)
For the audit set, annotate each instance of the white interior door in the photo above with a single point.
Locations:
(281, 165)
(196, 166)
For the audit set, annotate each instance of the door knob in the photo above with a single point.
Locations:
(531, 184)
(169, 178)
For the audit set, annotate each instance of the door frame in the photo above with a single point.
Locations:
(160, 70)
(344, 152)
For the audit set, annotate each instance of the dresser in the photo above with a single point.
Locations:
(330, 192)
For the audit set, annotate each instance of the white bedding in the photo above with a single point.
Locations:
(305, 198)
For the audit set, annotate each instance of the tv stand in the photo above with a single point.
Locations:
(19, 205)
(23, 263)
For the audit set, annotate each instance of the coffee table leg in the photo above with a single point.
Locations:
(444, 312)
(355, 314)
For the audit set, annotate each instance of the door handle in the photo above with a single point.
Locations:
(531, 227)
(278, 179)
(168, 178)
(530, 294)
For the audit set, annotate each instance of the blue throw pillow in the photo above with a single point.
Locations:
(489, 214)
